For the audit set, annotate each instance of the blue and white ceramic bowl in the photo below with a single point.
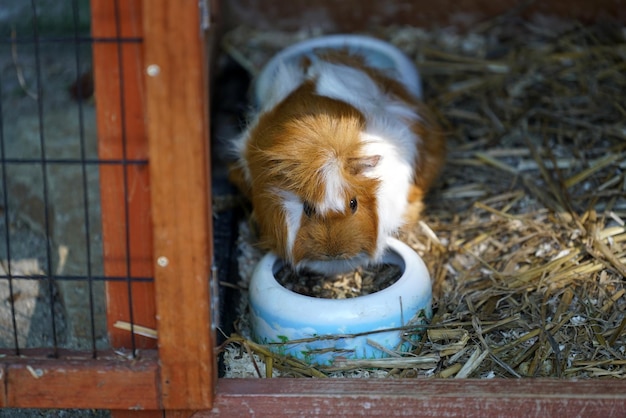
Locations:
(319, 330)
(378, 53)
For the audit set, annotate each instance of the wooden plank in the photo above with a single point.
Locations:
(356, 15)
(418, 398)
(77, 381)
(177, 120)
(120, 413)
(120, 97)
(151, 414)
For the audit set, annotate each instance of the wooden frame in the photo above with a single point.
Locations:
(180, 376)
(355, 15)
(126, 224)
(118, 383)
(76, 381)
(418, 398)
(135, 122)
(177, 120)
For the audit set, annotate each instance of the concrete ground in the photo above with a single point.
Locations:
(39, 117)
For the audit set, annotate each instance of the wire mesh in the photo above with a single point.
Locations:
(53, 278)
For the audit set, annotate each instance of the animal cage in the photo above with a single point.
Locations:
(81, 197)
(110, 249)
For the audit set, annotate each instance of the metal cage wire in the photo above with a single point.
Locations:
(26, 59)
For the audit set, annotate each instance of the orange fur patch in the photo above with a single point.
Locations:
(290, 149)
(308, 151)
(432, 146)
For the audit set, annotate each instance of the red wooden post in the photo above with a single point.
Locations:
(124, 189)
(177, 127)
(75, 380)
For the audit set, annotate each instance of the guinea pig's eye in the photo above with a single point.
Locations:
(308, 209)
(353, 204)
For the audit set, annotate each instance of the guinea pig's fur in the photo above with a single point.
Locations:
(337, 159)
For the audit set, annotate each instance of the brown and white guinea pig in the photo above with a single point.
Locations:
(337, 159)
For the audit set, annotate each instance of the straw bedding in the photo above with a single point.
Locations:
(359, 282)
(524, 234)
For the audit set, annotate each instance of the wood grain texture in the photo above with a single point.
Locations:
(418, 398)
(77, 381)
(355, 15)
(152, 414)
(177, 122)
(120, 413)
(120, 96)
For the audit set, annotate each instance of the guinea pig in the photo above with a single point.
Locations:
(337, 158)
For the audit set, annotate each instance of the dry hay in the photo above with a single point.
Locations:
(524, 236)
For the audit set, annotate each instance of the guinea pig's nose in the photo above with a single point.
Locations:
(335, 255)
(330, 251)
(334, 248)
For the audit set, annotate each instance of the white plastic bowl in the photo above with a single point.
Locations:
(280, 317)
(378, 53)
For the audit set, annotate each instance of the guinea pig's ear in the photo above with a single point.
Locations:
(360, 165)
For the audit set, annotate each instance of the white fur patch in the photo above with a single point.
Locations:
(292, 207)
(239, 150)
(288, 77)
(388, 134)
(331, 267)
(334, 185)
(345, 83)
(354, 86)
(387, 116)
(395, 173)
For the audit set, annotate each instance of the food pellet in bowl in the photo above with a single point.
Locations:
(360, 282)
